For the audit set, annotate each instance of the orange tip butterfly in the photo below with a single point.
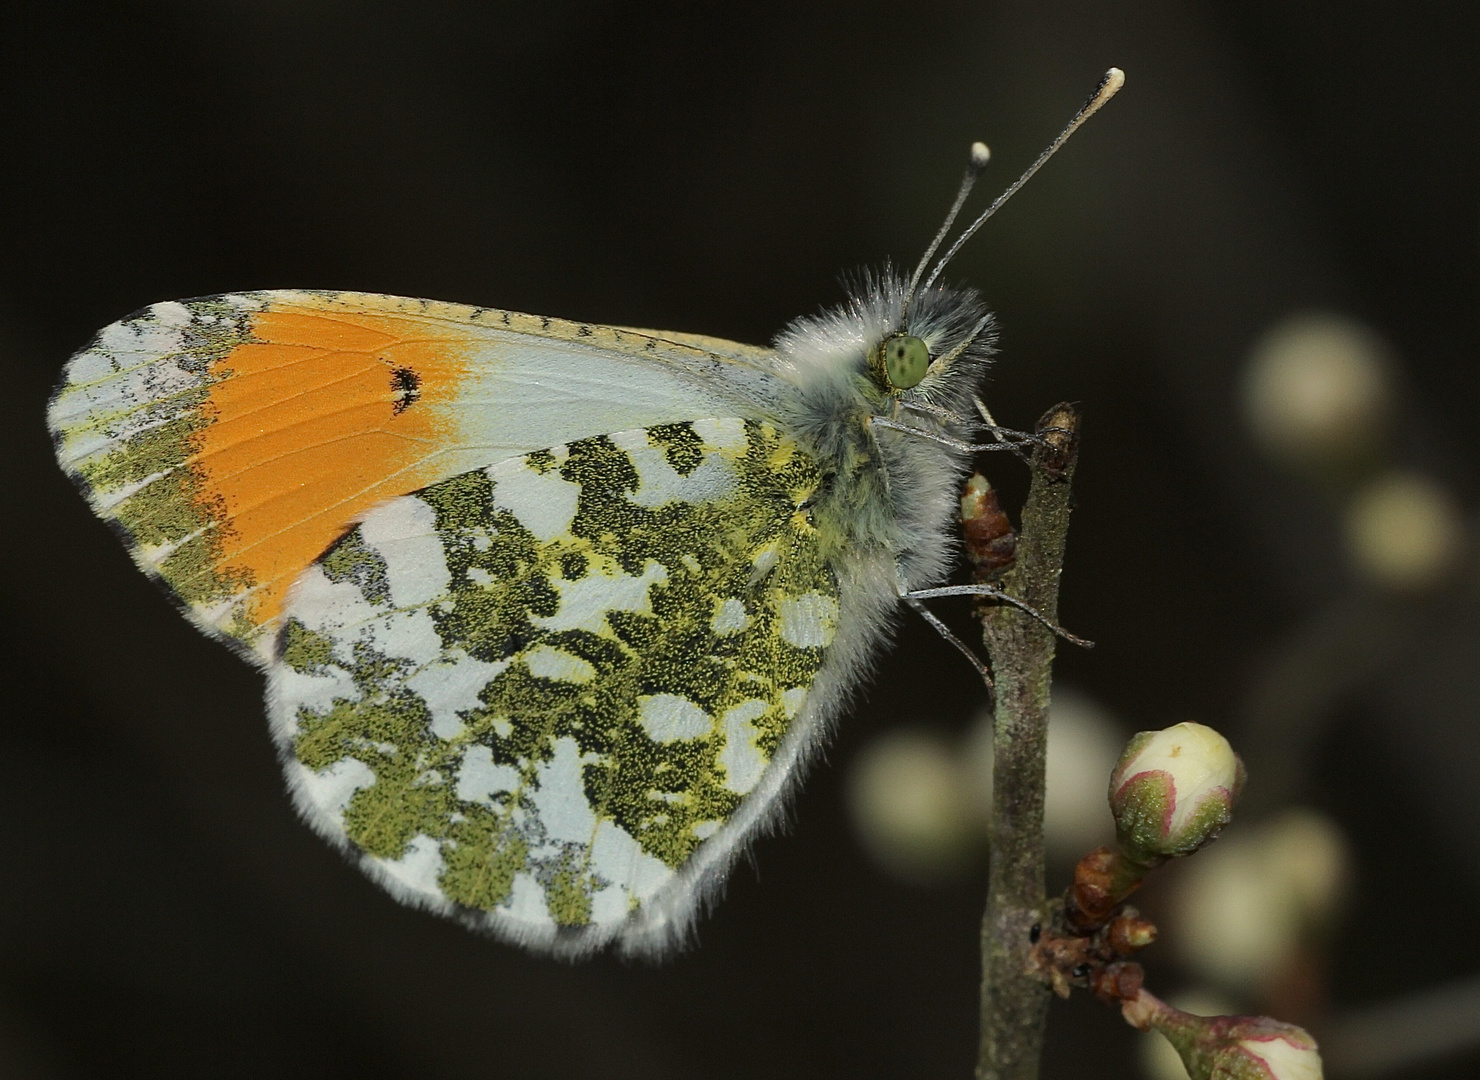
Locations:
(552, 615)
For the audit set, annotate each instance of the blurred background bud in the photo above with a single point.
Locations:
(1318, 393)
(1404, 531)
(911, 806)
(1245, 914)
(1173, 791)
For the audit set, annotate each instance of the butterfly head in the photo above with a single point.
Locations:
(873, 351)
(933, 351)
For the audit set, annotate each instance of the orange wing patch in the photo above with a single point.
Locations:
(322, 416)
(234, 439)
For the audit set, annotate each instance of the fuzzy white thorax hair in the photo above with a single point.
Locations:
(891, 489)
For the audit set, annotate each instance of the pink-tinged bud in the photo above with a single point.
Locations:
(1289, 1054)
(1229, 1047)
(1173, 791)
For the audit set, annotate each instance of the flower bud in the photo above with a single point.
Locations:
(1173, 791)
(1229, 1047)
(990, 538)
(1285, 1054)
(1129, 932)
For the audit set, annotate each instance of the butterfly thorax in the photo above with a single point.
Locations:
(885, 488)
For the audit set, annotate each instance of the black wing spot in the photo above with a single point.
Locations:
(406, 385)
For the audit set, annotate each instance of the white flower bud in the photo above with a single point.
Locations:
(1229, 1047)
(1173, 791)
(1289, 1055)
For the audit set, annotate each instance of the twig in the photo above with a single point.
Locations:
(1014, 1004)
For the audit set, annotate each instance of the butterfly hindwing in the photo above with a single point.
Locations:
(231, 439)
(554, 695)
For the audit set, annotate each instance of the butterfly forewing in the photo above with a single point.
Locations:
(232, 439)
(539, 693)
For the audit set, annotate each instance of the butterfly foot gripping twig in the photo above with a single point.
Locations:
(1018, 442)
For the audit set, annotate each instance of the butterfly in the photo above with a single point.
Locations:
(552, 615)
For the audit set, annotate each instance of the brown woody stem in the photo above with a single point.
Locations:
(1014, 1002)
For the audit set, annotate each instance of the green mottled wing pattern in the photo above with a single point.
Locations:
(537, 695)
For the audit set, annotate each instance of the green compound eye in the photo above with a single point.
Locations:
(905, 360)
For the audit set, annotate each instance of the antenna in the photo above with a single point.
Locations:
(980, 155)
(1114, 79)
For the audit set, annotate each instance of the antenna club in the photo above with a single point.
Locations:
(980, 155)
(1109, 86)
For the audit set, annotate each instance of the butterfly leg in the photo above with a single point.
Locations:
(1009, 437)
(1006, 438)
(994, 593)
(944, 440)
(945, 631)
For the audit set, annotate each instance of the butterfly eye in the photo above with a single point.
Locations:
(905, 360)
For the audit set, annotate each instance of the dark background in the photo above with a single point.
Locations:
(712, 168)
